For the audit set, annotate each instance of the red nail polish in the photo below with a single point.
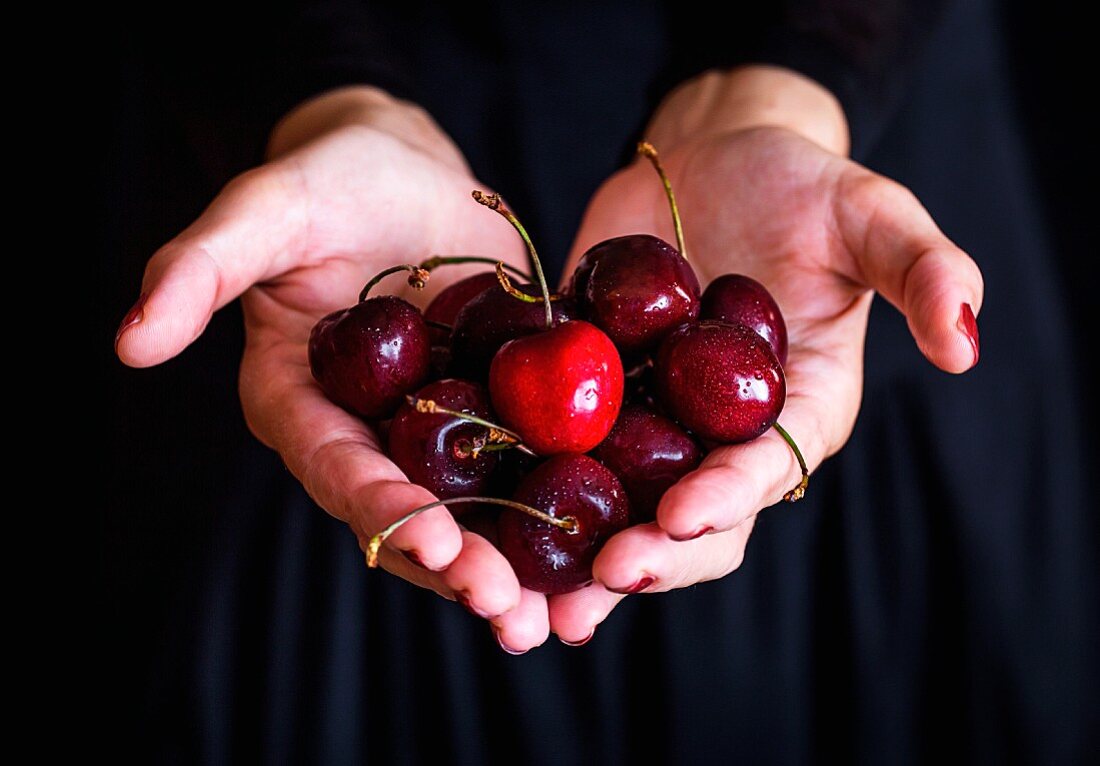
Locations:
(463, 599)
(414, 558)
(694, 535)
(968, 326)
(582, 642)
(133, 316)
(504, 646)
(637, 587)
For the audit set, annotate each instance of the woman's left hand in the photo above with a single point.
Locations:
(822, 233)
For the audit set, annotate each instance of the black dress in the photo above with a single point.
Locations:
(934, 597)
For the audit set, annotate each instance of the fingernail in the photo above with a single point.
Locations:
(694, 535)
(463, 599)
(968, 326)
(637, 587)
(414, 558)
(505, 646)
(582, 642)
(133, 317)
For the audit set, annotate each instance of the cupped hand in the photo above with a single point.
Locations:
(822, 233)
(358, 182)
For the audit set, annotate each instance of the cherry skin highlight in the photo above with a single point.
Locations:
(648, 453)
(437, 451)
(493, 318)
(738, 299)
(551, 560)
(721, 381)
(445, 306)
(560, 389)
(637, 289)
(368, 356)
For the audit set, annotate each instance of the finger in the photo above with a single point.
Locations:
(253, 230)
(526, 626)
(899, 251)
(396, 564)
(643, 559)
(481, 578)
(575, 616)
(337, 457)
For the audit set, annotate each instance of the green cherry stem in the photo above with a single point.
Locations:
(647, 150)
(494, 202)
(568, 523)
(497, 434)
(443, 260)
(419, 274)
(508, 287)
(418, 277)
(798, 492)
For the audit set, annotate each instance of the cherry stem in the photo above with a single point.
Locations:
(418, 275)
(509, 288)
(443, 260)
(650, 152)
(568, 523)
(497, 434)
(494, 202)
(798, 492)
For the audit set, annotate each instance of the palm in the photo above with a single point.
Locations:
(804, 222)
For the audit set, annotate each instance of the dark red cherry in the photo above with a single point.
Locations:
(559, 389)
(368, 356)
(720, 380)
(493, 318)
(649, 453)
(439, 452)
(738, 299)
(552, 560)
(638, 291)
(445, 306)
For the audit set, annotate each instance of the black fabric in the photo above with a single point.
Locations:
(936, 595)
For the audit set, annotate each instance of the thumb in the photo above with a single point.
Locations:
(898, 250)
(252, 231)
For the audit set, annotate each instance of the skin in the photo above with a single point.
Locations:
(358, 181)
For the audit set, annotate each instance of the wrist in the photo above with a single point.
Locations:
(366, 106)
(722, 101)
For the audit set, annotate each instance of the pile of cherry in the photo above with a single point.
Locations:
(573, 448)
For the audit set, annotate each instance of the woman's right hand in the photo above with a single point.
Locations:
(357, 181)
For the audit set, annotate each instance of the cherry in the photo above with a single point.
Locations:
(649, 453)
(442, 453)
(739, 299)
(492, 319)
(561, 389)
(368, 356)
(638, 290)
(445, 306)
(721, 380)
(550, 559)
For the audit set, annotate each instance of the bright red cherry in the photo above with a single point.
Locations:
(548, 559)
(649, 453)
(445, 306)
(738, 299)
(637, 289)
(441, 452)
(367, 357)
(560, 389)
(720, 380)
